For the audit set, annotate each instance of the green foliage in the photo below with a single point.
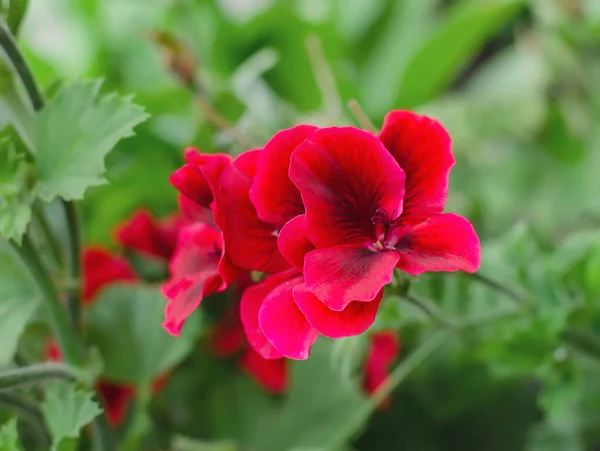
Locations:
(74, 132)
(66, 410)
(9, 437)
(16, 12)
(19, 299)
(15, 202)
(138, 353)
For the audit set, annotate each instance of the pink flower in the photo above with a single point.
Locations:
(147, 235)
(373, 205)
(383, 351)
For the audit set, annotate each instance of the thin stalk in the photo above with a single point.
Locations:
(507, 290)
(74, 289)
(324, 77)
(59, 323)
(428, 308)
(360, 116)
(32, 374)
(29, 412)
(400, 373)
(102, 439)
(49, 237)
(7, 42)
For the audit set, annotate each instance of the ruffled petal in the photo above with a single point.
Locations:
(271, 374)
(283, 323)
(423, 149)
(250, 304)
(100, 269)
(356, 318)
(249, 242)
(185, 295)
(276, 198)
(344, 175)
(444, 242)
(293, 243)
(190, 181)
(341, 274)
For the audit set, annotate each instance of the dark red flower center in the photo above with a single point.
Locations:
(385, 224)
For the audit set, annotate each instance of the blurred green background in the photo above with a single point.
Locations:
(517, 84)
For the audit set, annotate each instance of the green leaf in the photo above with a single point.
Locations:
(16, 12)
(320, 402)
(74, 132)
(453, 43)
(15, 203)
(66, 410)
(186, 444)
(9, 437)
(141, 350)
(19, 299)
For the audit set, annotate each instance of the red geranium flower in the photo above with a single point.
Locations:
(101, 268)
(373, 205)
(384, 349)
(149, 236)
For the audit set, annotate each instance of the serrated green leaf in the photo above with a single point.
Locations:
(9, 437)
(66, 410)
(15, 203)
(19, 298)
(16, 12)
(141, 350)
(74, 133)
(445, 52)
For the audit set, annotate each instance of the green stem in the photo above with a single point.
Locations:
(102, 439)
(35, 373)
(325, 78)
(428, 308)
(49, 237)
(507, 290)
(400, 373)
(361, 117)
(7, 42)
(74, 290)
(29, 412)
(61, 329)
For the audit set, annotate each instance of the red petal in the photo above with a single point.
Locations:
(250, 304)
(190, 181)
(228, 336)
(276, 198)
(116, 399)
(445, 242)
(284, 324)
(52, 352)
(356, 318)
(344, 175)
(101, 268)
(384, 349)
(192, 212)
(185, 295)
(293, 243)
(143, 233)
(193, 274)
(341, 274)
(423, 149)
(271, 374)
(249, 242)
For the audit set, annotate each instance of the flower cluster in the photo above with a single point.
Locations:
(325, 215)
